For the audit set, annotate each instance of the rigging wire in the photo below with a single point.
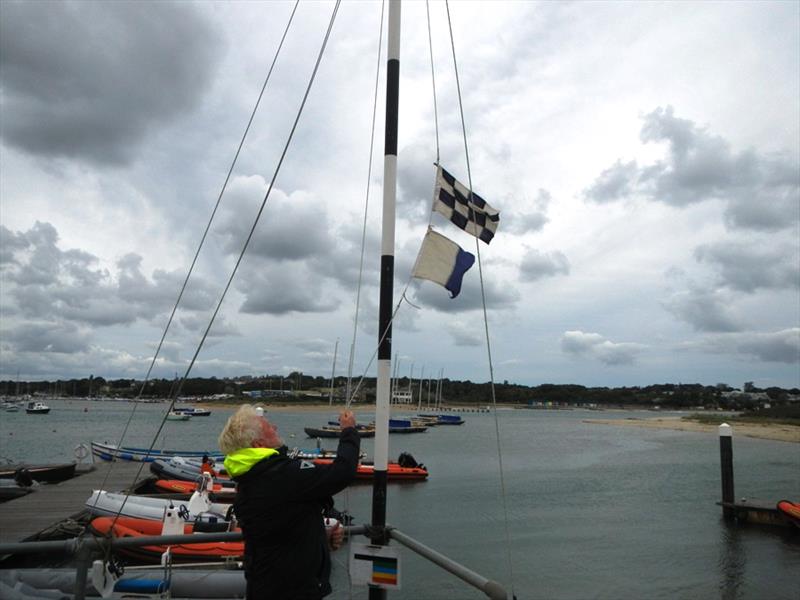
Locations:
(266, 196)
(485, 316)
(366, 208)
(433, 81)
(200, 246)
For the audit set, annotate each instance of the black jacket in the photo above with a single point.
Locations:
(279, 504)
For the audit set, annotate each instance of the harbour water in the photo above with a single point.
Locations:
(594, 511)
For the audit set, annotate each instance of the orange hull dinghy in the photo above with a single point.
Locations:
(131, 527)
(177, 486)
(394, 472)
(791, 511)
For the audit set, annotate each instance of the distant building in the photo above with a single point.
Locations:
(266, 393)
(402, 397)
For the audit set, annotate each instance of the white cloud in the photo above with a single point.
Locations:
(595, 346)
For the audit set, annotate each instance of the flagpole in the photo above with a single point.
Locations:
(387, 286)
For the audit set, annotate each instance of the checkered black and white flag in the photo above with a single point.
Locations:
(464, 208)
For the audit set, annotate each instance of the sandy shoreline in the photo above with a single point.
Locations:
(770, 431)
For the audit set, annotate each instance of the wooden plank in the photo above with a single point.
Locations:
(22, 518)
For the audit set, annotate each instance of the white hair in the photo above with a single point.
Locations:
(241, 430)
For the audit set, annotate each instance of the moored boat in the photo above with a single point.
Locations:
(406, 426)
(133, 527)
(445, 419)
(176, 468)
(335, 432)
(790, 511)
(36, 408)
(183, 583)
(178, 416)
(192, 411)
(42, 473)
(180, 486)
(102, 503)
(106, 451)
(394, 471)
(12, 488)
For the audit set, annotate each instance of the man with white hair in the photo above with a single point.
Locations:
(279, 504)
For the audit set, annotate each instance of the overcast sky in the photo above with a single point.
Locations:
(643, 156)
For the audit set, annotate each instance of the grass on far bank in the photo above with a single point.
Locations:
(782, 415)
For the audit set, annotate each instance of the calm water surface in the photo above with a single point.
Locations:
(594, 511)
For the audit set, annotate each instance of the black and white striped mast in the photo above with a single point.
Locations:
(382, 401)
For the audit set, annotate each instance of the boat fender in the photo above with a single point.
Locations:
(105, 576)
(173, 522)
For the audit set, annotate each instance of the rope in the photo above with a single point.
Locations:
(266, 197)
(485, 316)
(250, 235)
(433, 80)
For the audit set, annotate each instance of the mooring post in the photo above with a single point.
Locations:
(84, 561)
(726, 466)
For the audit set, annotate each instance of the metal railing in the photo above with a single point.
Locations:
(85, 548)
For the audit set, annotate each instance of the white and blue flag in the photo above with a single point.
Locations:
(442, 262)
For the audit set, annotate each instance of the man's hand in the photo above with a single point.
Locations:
(347, 419)
(335, 536)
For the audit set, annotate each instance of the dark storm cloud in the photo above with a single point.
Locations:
(282, 290)
(46, 283)
(467, 334)
(761, 192)
(595, 346)
(748, 268)
(537, 265)
(341, 261)
(779, 346)
(290, 228)
(221, 328)
(90, 80)
(704, 310)
(63, 338)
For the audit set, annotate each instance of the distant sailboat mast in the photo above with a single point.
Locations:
(419, 398)
(333, 372)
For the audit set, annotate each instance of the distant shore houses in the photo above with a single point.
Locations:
(258, 394)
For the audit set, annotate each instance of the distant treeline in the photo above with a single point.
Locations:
(306, 388)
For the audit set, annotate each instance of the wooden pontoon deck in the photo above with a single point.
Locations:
(23, 518)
